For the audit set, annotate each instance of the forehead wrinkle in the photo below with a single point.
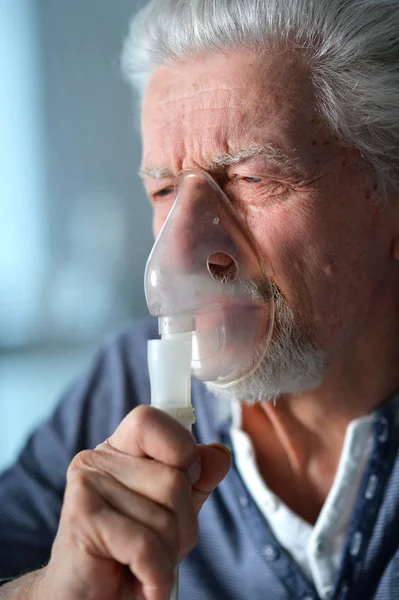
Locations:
(220, 94)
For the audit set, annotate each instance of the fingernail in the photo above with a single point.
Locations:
(194, 472)
(221, 447)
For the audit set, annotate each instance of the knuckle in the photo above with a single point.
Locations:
(82, 460)
(166, 523)
(77, 479)
(79, 500)
(80, 494)
(147, 544)
(79, 536)
(143, 415)
(175, 483)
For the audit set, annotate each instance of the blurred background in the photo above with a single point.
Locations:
(75, 225)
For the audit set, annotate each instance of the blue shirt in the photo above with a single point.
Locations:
(237, 556)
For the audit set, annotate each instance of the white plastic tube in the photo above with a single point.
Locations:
(169, 363)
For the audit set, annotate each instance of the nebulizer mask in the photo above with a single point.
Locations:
(207, 283)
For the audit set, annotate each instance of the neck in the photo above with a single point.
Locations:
(297, 452)
(298, 441)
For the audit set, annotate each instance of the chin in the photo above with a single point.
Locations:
(287, 368)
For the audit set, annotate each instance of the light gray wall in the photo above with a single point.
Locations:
(93, 147)
(23, 249)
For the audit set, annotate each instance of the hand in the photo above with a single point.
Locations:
(130, 511)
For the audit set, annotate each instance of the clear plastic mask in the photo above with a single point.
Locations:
(199, 278)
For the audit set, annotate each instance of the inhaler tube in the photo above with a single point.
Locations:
(169, 363)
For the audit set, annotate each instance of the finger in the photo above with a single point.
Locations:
(168, 488)
(147, 431)
(131, 543)
(158, 484)
(215, 464)
(162, 521)
(98, 534)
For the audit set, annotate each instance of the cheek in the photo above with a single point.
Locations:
(159, 216)
(281, 234)
(323, 261)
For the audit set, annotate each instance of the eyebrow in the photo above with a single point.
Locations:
(161, 173)
(271, 152)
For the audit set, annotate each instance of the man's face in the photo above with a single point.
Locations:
(310, 203)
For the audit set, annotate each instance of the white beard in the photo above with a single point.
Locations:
(290, 365)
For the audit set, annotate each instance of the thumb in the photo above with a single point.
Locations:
(215, 464)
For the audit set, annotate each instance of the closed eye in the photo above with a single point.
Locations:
(256, 189)
(164, 193)
(252, 179)
(272, 187)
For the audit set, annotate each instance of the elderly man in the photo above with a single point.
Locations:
(292, 107)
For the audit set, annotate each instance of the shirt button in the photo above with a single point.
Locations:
(371, 488)
(319, 546)
(327, 594)
(382, 429)
(244, 501)
(356, 543)
(270, 552)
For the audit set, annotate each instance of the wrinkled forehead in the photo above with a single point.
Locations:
(232, 100)
(216, 80)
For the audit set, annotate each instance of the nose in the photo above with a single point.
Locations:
(201, 232)
(222, 267)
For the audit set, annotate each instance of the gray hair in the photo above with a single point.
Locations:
(352, 48)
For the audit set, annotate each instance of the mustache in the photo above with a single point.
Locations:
(265, 291)
(284, 321)
(260, 291)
